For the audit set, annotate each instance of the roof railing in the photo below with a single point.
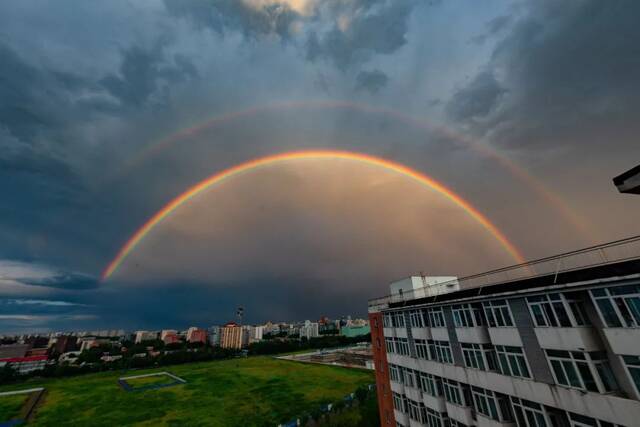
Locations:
(593, 256)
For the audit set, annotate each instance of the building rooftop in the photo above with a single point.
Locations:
(628, 182)
(617, 258)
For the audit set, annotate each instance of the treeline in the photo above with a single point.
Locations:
(286, 346)
(92, 362)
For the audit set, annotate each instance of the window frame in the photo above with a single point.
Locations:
(501, 307)
(512, 354)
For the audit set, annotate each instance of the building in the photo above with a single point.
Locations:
(196, 335)
(309, 330)
(13, 350)
(169, 336)
(628, 182)
(142, 336)
(355, 331)
(254, 333)
(554, 342)
(231, 336)
(214, 336)
(62, 344)
(24, 365)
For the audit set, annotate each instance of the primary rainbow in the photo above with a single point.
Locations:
(216, 178)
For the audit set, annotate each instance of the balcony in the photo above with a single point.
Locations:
(475, 335)
(389, 332)
(401, 417)
(482, 421)
(437, 403)
(623, 341)
(505, 336)
(462, 414)
(440, 334)
(579, 338)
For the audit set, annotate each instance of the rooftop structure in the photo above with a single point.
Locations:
(552, 342)
(628, 182)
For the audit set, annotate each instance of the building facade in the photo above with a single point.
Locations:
(551, 343)
(231, 336)
(309, 330)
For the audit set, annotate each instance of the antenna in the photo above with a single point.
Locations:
(240, 313)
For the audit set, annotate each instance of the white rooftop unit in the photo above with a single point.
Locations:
(423, 286)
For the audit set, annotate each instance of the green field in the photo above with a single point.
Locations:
(255, 391)
(10, 406)
(149, 381)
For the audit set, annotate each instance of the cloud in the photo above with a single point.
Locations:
(564, 76)
(34, 274)
(371, 81)
(476, 100)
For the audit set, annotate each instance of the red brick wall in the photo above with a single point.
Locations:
(383, 387)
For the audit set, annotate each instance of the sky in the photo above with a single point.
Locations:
(109, 110)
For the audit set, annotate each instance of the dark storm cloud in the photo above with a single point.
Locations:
(371, 81)
(477, 99)
(375, 27)
(570, 72)
(144, 73)
(35, 274)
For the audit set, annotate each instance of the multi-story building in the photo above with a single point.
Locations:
(214, 336)
(309, 330)
(231, 336)
(196, 335)
(555, 342)
(142, 336)
(169, 336)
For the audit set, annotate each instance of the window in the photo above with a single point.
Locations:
(430, 384)
(422, 349)
(479, 356)
(415, 316)
(417, 410)
(440, 351)
(453, 392)
(618, 306)
(497, 314)
(398, 319)
(491, 404)
(394, 373)
(467, 315)
(633, 366)
(556, 310)
(400, 402)
(586, 371)
(436, 318)
(529, 414)
(386, 320)
(434, 418)
(402, 346)
(409, 377)
(390, 345)
(512, 361)
(577, 420)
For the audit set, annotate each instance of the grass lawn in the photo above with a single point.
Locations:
(10, 406)
(148, 381)
(255, 391)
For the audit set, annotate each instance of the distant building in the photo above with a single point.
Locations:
(62, 344)
(214, 336)
(196, 335)
(142, 336)
(169, 336)
(25, 365)
(309, 330)
(13, 350)
(355, 331)
(231, 336)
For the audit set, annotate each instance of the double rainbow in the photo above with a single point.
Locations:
(218, 177)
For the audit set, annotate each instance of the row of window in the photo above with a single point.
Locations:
(496, 406)
(617, 306)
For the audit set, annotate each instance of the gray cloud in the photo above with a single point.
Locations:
(570, 72)
(371, 81)
(476, 100)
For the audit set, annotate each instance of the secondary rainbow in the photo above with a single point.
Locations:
(218, 177)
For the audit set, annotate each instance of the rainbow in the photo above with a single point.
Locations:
(419, 123)
(218, 177)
